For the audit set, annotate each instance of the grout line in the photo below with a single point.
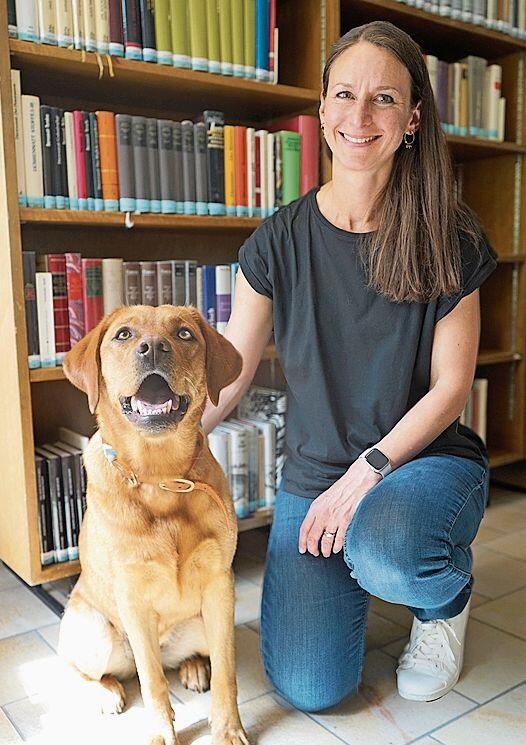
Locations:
(19, 733)
(46, 641)
(496, 628)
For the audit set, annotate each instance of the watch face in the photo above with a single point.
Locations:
(377, 459)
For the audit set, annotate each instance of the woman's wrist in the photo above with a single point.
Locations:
(361, 471)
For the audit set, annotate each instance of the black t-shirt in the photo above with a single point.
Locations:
(354, 361)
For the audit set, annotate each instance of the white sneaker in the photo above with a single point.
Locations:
(431, 662)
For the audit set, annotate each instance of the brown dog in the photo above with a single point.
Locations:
(158, 538)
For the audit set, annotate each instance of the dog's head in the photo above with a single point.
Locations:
(152, 365)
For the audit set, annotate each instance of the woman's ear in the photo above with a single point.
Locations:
(223, 362)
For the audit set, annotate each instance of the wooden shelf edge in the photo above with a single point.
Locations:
(259, 519)
(493, 357)
(503, 457)
(485, 144)
(60, 570)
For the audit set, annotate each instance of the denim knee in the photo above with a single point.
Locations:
(311, 703)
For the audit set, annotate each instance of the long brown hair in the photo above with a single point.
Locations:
(415, 252)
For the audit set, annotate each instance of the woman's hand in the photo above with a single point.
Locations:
(334, 509)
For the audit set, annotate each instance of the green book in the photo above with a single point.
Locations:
(249, 38)
(238, 47)
(179, 34)
(198, 40)
(291, 164)
(212, 29)
(225, 35)
(163, 32)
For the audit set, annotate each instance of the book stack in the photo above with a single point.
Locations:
(99, 161)
(468, 96)
(508, 17)
(61, 489)
(66, 295)
(227, 37)
(474, 414)
(250, 447)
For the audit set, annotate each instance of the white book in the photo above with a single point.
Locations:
(253, 462)
(32, 150)
(238, 459)
(262, 136)
(432, 69)
(521, 19)
(71, 163)
(268, 430)
(64, 22)
(27, 20)
(276, 56)
(19, 139)
(491, 13)
(73, 438)
(199, 289)
(502, 119)
(223, 297)
(112, 286)
(218, 444)
(88, 18)
(490, 104)
(47, 22)
(46, 324)
(78, 23)
(102, 26)
(271, 175)
(251, 171)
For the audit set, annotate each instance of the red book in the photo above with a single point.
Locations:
(56, 264)
(92, 292)
(309, 129)
(257, 158)
(75, 299)
(80, 158)
(240, 170)
(271, 50)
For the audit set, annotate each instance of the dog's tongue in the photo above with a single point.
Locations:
(154, 396)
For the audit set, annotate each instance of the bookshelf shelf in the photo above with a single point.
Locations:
(475, 148)
(72, 218)
(496, 358)
(503, 457)
(44, 67)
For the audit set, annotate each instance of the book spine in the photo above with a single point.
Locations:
(180, 34)
(166, 166)
(190, 281)
(78, 24)
(177, 134)
(249, 38)
(164, 282)
(112, 288)
(201, 176)
(163, 36)
(47, 552)
(46, 327)
(80, 159)
(262, 138)
(250, 174)
(19, 137)
(95, 162)
(209, 294)
(262, 39)
(225, 36)
(272, 43)
(88, 15)
(123, 124)
(257, 174)
(212, 33)
(63, 160)
(46, 22)
(238, 46)
(57, 155)
(57, 509)
(102, 26)
(149, 49)
(229, 168)
(271, 175)
(152, 144)
(178, 282)
(32, 151)
(30, 301)
(148, 283)
(197, 27)
(88, 161)
(11, 19)
(57, 267)
(132, 282)
(115, 24)
(64, 22)
(238, 462)
(215, 149)
(223, 299)
(131, 18)
(46, 128)
(291, 166)
(240, 162)
(92, 292)
(108, 160)
(75, 297)
(70, 513)
(140, 164)
(26, 20)
(187, 131)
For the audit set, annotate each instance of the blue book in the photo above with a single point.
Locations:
(262, 39)
(208, 282)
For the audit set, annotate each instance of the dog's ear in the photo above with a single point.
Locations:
(223, 361)
(82, 363)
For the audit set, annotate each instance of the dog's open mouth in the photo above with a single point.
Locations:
(155, 405)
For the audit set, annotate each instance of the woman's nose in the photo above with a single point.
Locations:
(360, 113)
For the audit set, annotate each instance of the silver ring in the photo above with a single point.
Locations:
(328, 534)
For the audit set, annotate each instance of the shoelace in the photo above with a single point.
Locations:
(430, 647)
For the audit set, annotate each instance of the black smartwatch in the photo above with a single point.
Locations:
(379, 462)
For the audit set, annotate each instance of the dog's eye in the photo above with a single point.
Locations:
(123, 334)
(185, 334)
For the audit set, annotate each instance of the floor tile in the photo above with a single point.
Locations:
(509, 515)
(8, 734)
(22, 611)
(380, 631)
(249, 567)
(248, 601)
(507, 613)
(25, 662)
(501, 721)
(7, 578)
(50, 634)
(379, 715)
(495, 574)
(511, 544)
(268, 721)
(486, 533)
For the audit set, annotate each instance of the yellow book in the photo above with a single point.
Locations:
(230, 190)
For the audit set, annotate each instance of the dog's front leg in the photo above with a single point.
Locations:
(218, 617)
(141, 626)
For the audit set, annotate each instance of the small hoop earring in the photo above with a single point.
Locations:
(409, 143)
(322, 125)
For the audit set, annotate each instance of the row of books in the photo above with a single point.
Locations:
(227, 37)
(250, 449)
(67, 295)
(468, 96)
(474, 414)
(105, 161)
(508, 16)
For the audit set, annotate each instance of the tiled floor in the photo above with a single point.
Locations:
(487, 707)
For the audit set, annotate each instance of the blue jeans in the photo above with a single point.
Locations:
(408, 543)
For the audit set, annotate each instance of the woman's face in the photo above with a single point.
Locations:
(368, 96)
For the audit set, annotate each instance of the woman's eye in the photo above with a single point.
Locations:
(387, 98)
(123, 334)
(185, 334)
(343, 94)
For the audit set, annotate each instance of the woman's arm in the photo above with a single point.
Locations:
(249, 329)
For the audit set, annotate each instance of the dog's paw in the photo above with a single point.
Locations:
(230, 736)
(167, 738)
(194, 673)
(112, 696)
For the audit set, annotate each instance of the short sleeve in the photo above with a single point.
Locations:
(254, 260)
(477, 265)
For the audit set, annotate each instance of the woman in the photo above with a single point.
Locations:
(371, 285)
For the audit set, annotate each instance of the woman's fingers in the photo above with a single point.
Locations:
(306, 525)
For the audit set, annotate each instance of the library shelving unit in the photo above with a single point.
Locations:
(34, 403)
(37, 402)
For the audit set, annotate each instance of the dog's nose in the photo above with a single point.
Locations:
(152, 349)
